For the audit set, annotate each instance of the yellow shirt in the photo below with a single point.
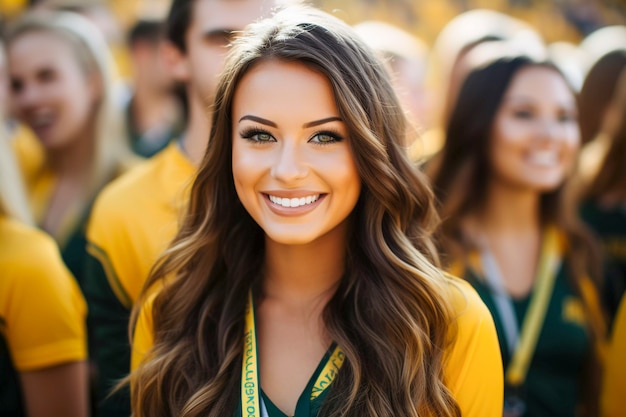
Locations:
(40, 183)
(136, 216)
(613, 400)
(28, 150)
(42, 311)
(473, 365)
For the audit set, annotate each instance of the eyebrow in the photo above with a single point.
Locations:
(306, 125)
(522, 99)
(212, 33)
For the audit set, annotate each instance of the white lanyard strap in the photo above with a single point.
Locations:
(522, 343)
(503, 301)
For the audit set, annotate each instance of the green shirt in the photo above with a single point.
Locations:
(609, 224)
(305, 407)
(553, 383)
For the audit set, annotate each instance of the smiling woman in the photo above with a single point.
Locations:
(287, 150)
(511, 144)
(303, 281)
(62, 88)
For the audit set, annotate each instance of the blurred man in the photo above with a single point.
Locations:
(154, 113)
(135, 217)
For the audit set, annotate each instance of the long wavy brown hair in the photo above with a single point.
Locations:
(460, 176)
(390, 313)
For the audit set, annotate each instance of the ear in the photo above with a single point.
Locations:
(176, 61)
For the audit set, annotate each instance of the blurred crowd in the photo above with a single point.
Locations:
(518, 117)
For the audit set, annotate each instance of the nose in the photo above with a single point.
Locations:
(551, 129)
(289, 164)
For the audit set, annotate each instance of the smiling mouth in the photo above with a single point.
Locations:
(546, 159)
(294, 202)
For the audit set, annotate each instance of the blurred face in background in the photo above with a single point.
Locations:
(50, 90)
(535, 135)
(149, 66)
(213, 23)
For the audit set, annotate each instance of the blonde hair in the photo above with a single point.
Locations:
(93, 54)
(13, 201)
(390, 314)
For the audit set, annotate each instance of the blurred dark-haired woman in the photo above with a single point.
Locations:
(511, 143)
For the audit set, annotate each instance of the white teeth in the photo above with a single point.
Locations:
(294, 202)
(544, 158)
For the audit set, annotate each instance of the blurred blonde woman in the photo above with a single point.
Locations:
(61, 77)
(42, 314)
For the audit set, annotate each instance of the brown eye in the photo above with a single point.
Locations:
(522, 114)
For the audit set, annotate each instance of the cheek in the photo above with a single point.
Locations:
(572, 147)
(343, 173)
(248, 169)
(504, 145)
(239, 169)
(208, 64)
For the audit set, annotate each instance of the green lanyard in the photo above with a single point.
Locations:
(251, 401)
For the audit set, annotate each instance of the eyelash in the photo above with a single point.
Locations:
(250, 133)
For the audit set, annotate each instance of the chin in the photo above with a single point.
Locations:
(290, 240)
(291, 237)
(546, 186)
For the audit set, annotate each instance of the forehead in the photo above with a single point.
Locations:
(215, 15)
(539, 82)
(37, 48)
(285, 92)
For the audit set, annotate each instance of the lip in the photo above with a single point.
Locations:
(543, 160)
(292, 211)
(41, 130)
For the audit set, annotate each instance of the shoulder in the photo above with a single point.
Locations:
(137, 178)
(127, 193)
(139, 185)
(473, 364)
(614, 384)
(21, 245)
(467, 306)
(40, 303)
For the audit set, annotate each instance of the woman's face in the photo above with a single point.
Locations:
(293, 167)
(50, 91)
(535, 135)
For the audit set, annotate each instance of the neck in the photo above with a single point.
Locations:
(74, 160)
(509, 210)
(198, 129)
(304, 277)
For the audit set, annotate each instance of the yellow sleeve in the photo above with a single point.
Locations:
(614, 386)
(46, 313)
(108, 241)
(474, 371)
(143, 337)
